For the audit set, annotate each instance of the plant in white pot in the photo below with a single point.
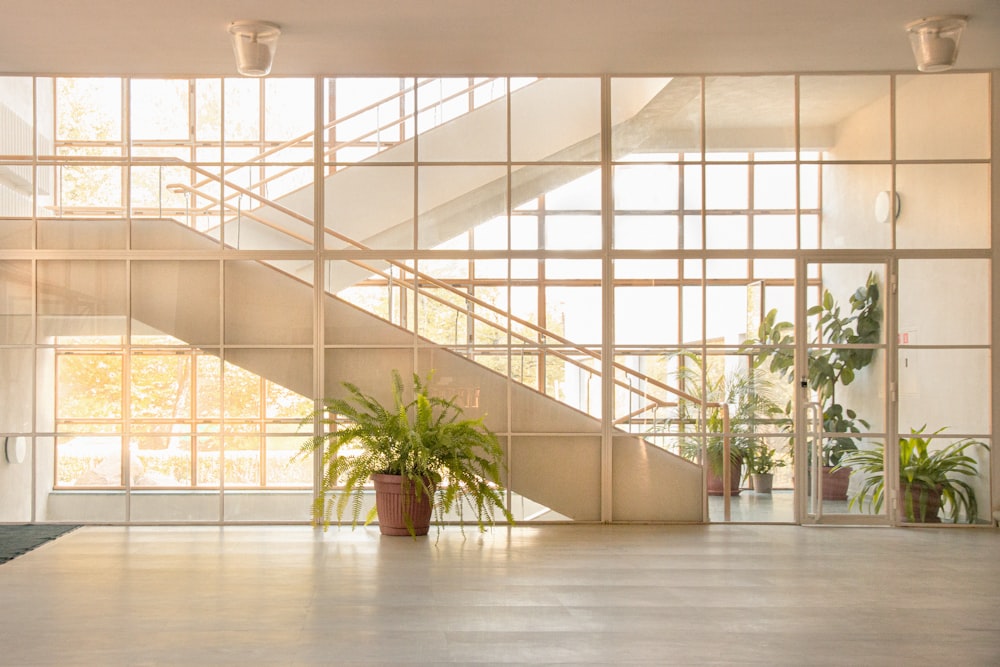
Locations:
(423, 457)
(761, 463)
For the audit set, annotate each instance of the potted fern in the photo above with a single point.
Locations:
(423, 457)
(929, 481)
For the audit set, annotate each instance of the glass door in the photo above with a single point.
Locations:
(843, 402)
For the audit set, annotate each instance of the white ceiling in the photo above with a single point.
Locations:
(441, 37)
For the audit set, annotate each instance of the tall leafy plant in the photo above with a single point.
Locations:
(832, 366)
(454, 461)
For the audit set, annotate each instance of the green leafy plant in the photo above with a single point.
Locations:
(749, 398)
(455, 462)
(763, 460)
(924, 477)
(833, 365)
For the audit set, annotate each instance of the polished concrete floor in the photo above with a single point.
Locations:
(661, 595)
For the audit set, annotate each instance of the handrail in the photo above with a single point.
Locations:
(337, 146)
(545, 336)
(814, 412)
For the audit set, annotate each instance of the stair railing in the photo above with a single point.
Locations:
(473, 304)
(380, 128)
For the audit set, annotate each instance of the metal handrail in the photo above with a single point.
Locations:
(419, 278)
(303, 140)
(814, 414)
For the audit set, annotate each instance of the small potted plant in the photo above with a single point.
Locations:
(422, 456)
(744, 399)
(929, 481)
(761, 463)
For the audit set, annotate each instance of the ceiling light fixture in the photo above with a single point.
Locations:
(935, 41)
(254, 43)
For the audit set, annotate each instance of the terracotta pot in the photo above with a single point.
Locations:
(910, 506)
(396, 504)
(835, 483)
(715, 481)
(763, 482)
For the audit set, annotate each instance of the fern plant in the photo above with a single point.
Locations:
(923, 474)
(455, 462)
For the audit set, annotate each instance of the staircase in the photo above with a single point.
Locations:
(557, 471)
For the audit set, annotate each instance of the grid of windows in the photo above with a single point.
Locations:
(180, 225)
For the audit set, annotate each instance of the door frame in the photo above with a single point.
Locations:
(808, 507)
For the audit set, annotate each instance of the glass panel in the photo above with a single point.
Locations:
(253, 222)
(176, 298)
(16, 116)
(943, 206)
(242, 116)
(491, 235)
(774, 186)
(161, 386)
(847, 373)
(726, 232)
(81, 297)
(652, 188)
(381, 222)
(288, 118)
(159, 110)
(89, 461)
(944, 388)
(556, 120)
(749, 114)
(845, 117)
(943, 117)
(265, 303)
(460, 376)
(283, 469)
(453, 200)
(90, 191)
(17, 366)
(242, 458)
(774, 232)
(74, 234)
(366, 117)
(208, 106)
(209, 453)
(470, 117)
(849, 196)
(289, 368)
(15, 302)
(89, 109)
(944, 302)
(546, 493)
(646, 315)
(161, 461)
(379, 291)
(17, 234)
(208, 381)
(655, 118)
(369, 368)
(727, 186)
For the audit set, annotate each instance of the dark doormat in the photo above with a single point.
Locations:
(16, 540)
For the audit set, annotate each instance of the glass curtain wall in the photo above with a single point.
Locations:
(608, 270)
